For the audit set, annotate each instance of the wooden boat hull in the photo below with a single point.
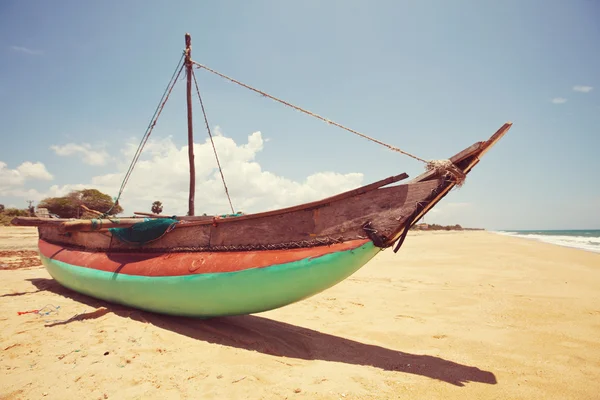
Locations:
(207, 266)
(277, 278)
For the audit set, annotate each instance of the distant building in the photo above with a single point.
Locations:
(42, 213)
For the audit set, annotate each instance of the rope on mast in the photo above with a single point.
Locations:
(213, 143)
(150, 127)
(309, 112)
(442, 167)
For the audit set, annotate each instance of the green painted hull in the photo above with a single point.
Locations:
(216, 294)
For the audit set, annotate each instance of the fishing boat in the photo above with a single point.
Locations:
(207, 266)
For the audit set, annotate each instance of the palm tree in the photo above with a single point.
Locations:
(157, 207)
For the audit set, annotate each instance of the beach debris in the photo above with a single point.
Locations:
(71, 352)
(28, 312)
(46, 310)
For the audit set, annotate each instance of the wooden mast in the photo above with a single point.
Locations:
(188, 68)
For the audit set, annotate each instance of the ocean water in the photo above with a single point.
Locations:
(580, 239)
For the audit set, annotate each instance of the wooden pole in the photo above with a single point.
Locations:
(188, 68)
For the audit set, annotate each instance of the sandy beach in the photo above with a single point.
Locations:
(453, 315)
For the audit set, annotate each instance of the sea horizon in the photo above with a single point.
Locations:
(583, 239)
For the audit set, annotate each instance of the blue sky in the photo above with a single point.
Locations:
(80, 80)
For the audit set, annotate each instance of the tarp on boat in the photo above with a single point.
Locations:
(146, 231)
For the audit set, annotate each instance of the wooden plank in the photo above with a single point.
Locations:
(317, 203)
(495, 138)
(458, 157)
(98, 224)
(145, 214)
(477, 149)
(75, 225)
(476, 152)
(35, 221)
(385, 212)
(289, 227)
(384, 207)
(341, 220)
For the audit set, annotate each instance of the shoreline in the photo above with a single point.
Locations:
(541, 240)
(505, 234)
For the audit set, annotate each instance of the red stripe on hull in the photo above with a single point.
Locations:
(186, 263)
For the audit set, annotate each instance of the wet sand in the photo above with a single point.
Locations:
(453, 315)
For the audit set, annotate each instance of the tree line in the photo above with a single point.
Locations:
(69, 206)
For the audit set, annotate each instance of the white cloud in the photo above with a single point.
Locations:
(9, 177)
(26, 50)
(85, 152)
(29, 170)
(559, 100)
(15, 178)
(162, 173)
(26, 194)
(583, 89)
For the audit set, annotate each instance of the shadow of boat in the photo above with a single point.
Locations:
(267, 336)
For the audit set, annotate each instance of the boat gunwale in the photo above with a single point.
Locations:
(472, 154)
(207, 220)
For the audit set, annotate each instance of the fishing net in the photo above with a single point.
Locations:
(144, 232)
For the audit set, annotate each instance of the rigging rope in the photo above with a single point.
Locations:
(212, 141)
(310, 113)
(443, 167)
(149, 129)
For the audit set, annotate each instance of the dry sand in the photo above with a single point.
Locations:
(461, 315)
